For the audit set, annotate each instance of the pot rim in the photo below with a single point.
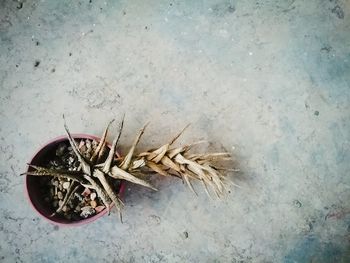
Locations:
(74, 223)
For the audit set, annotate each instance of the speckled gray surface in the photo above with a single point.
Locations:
(268, 78)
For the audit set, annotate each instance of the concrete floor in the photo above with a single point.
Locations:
(268, 78)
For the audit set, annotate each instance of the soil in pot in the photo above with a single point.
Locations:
(66, 198)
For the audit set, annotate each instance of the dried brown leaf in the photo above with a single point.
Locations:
(158, 154)
(127, 160)
(101, 143)
(112, 195)
(155, 167)
(119, 173)
(110, 158)
(85, 165)
(169, 163)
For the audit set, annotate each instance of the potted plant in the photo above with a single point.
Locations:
(76, 179)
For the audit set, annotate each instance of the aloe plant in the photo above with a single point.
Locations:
(165, 160)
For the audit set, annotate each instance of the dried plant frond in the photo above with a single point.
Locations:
(155, 167)
(109, 190)
(163, 160)
(188, 182)
(101, 144)
(171, 164)
(99, 190)
(126, 161)
(119, 173)
(84, 165)
(95, 173)
(112, 151)
(179, 134)
(41, 171)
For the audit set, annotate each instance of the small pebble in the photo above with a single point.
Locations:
(36, 63)
(93, 196)
(66, 185)
(20, 5)
(60, 195)
(186, 234)
(56, 183)
(99, 208)
(82, 147)
(81, 144)
(55, 203)
(297, 203)
(70, 160)
(93, 204)
(65, 208)
(87, 211)
(80, 198)
(61, 149)
(86, 192)
(60, 202)
(94, 145)
(88, 146)
(77, 208)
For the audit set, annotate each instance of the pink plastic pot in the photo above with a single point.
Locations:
(32, 185)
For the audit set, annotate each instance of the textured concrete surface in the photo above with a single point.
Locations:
(268, 78)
